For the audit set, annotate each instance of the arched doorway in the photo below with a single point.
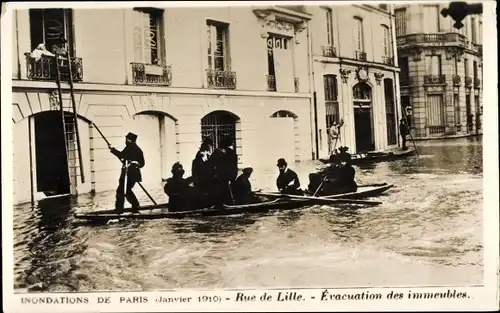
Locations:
(46, 159)
(218, 125)
(282, 136)
(363, 117)
(157, 137)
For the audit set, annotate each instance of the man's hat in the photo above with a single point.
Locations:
(131, 136)
(177, 166)
(207, 141)
(247, 170)
(226, 142)
(282, 162)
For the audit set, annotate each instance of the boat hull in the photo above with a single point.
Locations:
(375, 157)
(160, 211)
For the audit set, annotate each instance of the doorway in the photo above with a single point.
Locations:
(52, 176)
(363, 130)
(363, 124)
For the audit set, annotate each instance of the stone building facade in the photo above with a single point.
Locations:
(441, 71)
(355, 77)
(169, 75)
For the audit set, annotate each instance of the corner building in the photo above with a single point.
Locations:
(441, 71)
(355, 77)
(168, 75)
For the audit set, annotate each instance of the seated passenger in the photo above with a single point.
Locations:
(180, 193)
(242, 188)
(288, 181)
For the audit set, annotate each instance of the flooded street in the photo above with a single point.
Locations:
(428, 231)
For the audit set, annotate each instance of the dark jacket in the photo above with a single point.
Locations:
(202, 171)
(131, 153)
(179, 194)
(225, 164)
(285, 178)
(242, 190)
(403, 129)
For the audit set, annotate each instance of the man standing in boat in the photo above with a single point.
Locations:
(132, 158)
(225, 161)
(288, 181)
(203, 172)
(403, 130)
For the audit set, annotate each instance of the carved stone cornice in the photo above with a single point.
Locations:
(454, 52)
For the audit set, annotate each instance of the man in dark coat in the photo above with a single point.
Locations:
(288, 181)
(225, 161)
(203, 172)
(133, 160)
(344, 179)
(180, 193)
(403, 131)
(242, 188)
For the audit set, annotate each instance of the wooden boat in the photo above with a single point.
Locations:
(160, 211)
(374, 157)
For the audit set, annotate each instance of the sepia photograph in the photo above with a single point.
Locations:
(247, 146)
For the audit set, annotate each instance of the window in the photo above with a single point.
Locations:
(403, 63)
(456, 105)
(400, 22)
(359, 34)
(48, 25)
(455, 65)
(474, 70)
(473, 30)
(148, 34)
(435, 110)
(433, 65)
(331, 100)
(431, 19)
(387, 41)
(329, 27)
(382, 7)
(218, 46)
(466, 67)
(480, 32)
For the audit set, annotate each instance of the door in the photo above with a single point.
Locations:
(363, 129)
(52, 177)
(147, 128)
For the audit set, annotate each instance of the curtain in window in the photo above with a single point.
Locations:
(329, 28)
(142, 37)
(435, 110)
(358, 35)
(400, 22)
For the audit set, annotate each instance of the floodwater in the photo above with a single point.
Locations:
(428, 232)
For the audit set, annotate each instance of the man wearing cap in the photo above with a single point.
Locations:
(179, 191)
(288, 181)
(133, 160)
(242, 188)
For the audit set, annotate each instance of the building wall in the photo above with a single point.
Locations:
(343, 32)
(469, 48)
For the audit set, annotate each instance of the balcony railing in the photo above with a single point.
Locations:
(436, 130)
(221, 79)
(388, 60)
(434, 79)
(271, 82)
(151, 74)
(477, 47)
(329, 51)
(457, 81)
(442, 38)
(477, 83)
(360, 55)
(468, 81)
(45, 68)
(296, 84)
